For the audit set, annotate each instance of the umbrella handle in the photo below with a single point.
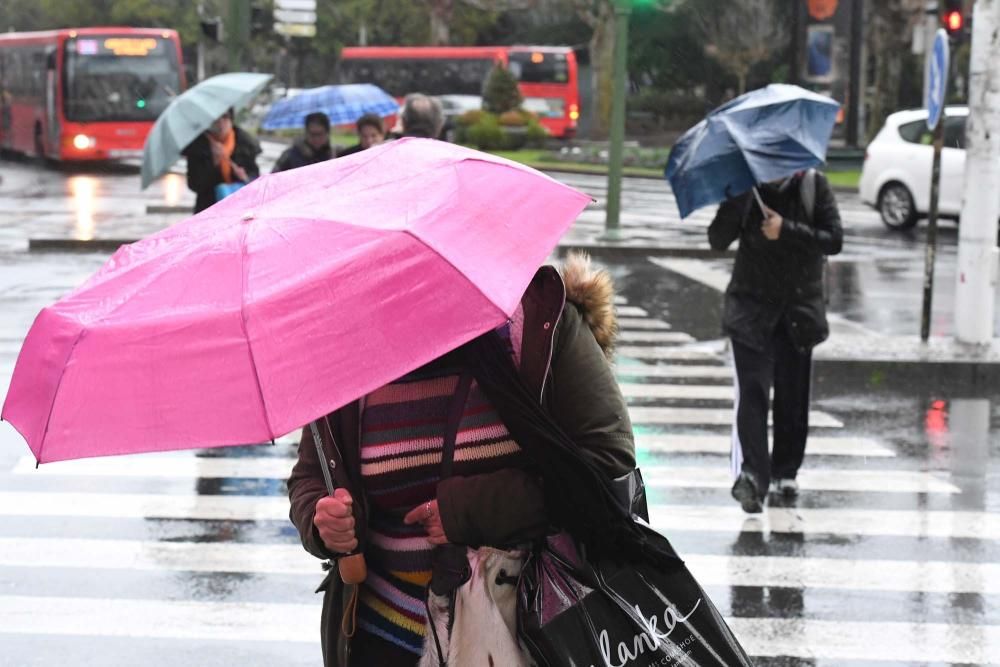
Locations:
(352, 568)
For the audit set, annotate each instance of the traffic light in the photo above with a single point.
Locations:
(212, 28)
(953, 18)
(261, 19)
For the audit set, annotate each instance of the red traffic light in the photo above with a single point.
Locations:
(953, 21)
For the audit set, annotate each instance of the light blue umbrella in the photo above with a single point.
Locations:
(764, 135)
(342, 104)
(193, 112)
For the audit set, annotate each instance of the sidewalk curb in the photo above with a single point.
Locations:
(618, 251)
(842, 189)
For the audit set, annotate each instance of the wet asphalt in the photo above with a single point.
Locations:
(888, 557)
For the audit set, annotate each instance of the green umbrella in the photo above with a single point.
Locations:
(192, 113)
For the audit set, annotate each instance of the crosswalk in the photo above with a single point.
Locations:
(149, 556)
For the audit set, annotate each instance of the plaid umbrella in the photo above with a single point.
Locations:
(342, 104)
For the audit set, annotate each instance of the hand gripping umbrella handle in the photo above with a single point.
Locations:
(353, 569)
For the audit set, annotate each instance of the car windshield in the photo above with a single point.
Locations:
(119, 78)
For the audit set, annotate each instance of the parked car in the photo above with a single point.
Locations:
(896, 177)
(454, 106)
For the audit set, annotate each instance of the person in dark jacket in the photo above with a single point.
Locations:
(223, 154)
(774, 314)
(311, 148)
(371, 132)
(391, 443)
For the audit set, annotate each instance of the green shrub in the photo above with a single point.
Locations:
(469, 118)
(536, 134)
(486, 135)
(501, 93)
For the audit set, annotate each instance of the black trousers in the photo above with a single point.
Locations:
(790, 372)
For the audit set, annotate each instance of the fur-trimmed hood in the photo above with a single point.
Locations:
(592, 291)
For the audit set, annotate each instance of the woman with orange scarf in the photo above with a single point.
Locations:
(224, 154)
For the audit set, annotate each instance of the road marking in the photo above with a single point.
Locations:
(672, 371)
(625, 323)
(709, 569)
(665, 353)
(840, 641)
(717, 392)
(845, 574)
(630, 311)
(899, 523)
(144, 506)
(720, 444)
(182, 465)
(170, 556)
(700, 271)
(158, 619)
(862, 481)
(711, 417)
(664, 337)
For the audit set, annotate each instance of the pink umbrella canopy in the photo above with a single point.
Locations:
(296, 295)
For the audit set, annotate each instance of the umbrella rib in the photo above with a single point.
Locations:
(245, 272)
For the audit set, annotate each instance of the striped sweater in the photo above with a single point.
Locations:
(401, 449)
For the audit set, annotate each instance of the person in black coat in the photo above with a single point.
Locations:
(774, 314)
(224, 153)
(312, 148)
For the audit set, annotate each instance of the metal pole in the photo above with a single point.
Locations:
(977, 231)
(611, 223)
(854, 94)
(238, 33)
(931, 250)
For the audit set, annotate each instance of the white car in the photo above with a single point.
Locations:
(896, 177)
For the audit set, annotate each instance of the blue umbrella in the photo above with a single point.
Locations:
(764, 135)
(342, 104)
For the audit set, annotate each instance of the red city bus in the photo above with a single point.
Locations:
(86, 93)
(547, 75)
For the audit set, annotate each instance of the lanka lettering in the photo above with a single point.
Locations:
(647, 640)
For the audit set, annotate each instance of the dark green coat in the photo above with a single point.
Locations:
(562, 360)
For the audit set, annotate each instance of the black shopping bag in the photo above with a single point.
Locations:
(612, 614)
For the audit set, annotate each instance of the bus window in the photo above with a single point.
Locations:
(539, 67)
(119, 78)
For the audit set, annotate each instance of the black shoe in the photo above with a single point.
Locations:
(745, 491)
(786, 488)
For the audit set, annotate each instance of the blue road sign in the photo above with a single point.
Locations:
(937, 79)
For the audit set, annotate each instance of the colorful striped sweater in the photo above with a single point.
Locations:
(401, 449)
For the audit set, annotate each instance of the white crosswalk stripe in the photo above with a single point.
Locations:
(710, 417)
(819, 445)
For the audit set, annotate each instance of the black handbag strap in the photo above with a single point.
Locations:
(455, 410)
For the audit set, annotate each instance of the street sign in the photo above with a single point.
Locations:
(289, 16)
(937, 79)
(295, 29)
(296, 5)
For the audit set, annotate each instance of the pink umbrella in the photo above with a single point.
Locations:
(292, 297)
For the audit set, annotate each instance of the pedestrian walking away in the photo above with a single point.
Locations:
(223, 154)
(420, 116)
(407, 506)
(312, 147)
(774, 314)
(371, 132)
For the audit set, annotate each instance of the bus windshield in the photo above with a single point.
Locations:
(119, 78)
(539, 67)
(431, 76)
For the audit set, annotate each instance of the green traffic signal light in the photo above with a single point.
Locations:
(141, 104)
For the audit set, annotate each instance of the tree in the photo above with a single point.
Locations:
(501, 93)
(442, 14)
(739, 34)
(887, 40)
(599, 15)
